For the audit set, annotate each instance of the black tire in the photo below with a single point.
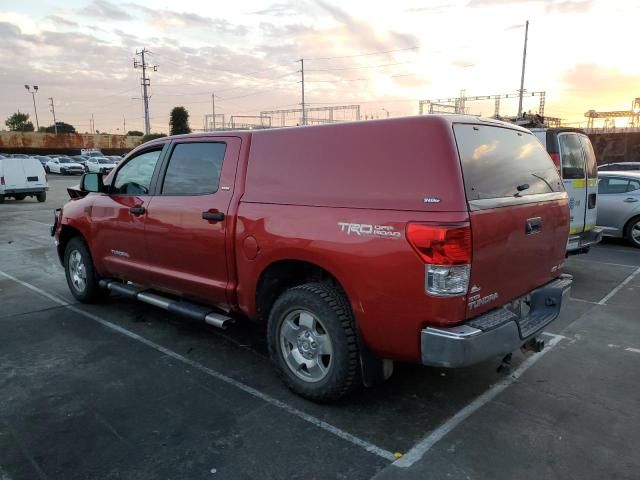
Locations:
(330, 309)
(91, 293)
(19, 197)
(42, 197)
(1, 198)
(63, 171)
(631, 231)
(47, 169)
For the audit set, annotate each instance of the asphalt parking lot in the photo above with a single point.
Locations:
(124, 390)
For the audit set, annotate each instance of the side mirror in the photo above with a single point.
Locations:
(92, 182)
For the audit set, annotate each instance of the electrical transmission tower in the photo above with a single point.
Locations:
(145, 82)
(53, 111)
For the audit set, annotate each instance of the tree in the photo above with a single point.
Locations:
(62, 128)
(135, 133)
(179, 121)
(19, 122)
(152, 136)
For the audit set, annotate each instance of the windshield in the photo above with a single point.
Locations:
(502, 162)
(104, 161)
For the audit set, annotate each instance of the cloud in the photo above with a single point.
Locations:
(105, 10)
(164, 19)
(550, 6)
(363, 33)
(591, 80)
(62, 22)
(285, 9)
(435, 9)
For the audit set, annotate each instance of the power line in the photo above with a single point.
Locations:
(381, 52)
(358, 68)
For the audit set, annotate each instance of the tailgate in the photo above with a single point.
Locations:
(519, 214)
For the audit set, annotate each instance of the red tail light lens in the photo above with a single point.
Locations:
(556, 159)
(441, 244)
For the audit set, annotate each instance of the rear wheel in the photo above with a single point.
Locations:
(1, 198)
(80, 273)
(312, 341)
(633, 232)
(47, 169)
(42, 197)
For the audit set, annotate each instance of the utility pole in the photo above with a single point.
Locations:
(53, 111)
(213, 108)
(124, 125)
(524, 60)
(33, 95)
(92, 125)
(304, 113)
(145, 82)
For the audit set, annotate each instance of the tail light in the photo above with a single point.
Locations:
(446, 251)
(1, 180)
(556, 160)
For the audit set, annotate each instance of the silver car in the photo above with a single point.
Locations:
(619, 205)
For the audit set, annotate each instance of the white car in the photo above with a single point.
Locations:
(100, 165)
(64, 166)
(22, 177)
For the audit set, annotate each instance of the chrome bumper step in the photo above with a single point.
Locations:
(193, 311)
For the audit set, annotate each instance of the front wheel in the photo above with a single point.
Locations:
(633, 232)
(42, 197)
(80, 273)
(312, 342)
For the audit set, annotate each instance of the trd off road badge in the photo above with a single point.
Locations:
(367, 230)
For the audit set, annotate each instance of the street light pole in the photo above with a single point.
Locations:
(33, 95)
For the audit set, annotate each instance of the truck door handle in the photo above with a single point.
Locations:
(630, 200)
(213, 216)
(533, 225)
(137, 210)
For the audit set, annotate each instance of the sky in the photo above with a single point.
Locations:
(383, 56)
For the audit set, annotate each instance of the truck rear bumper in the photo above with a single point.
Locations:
(27, 190)
(580, 241)
(498, 332)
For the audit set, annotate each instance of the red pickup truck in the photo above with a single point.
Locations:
(436, 239)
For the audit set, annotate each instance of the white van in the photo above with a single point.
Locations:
(22, 177)
(573, 154)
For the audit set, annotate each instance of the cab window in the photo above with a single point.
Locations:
(134, 178)
(194, 169)
(571, 157)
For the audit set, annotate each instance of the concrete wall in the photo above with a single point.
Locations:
(616, 147)
(69, 143)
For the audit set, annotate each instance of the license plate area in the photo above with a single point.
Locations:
(32, 179)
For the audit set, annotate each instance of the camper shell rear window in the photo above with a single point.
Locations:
(499, 162)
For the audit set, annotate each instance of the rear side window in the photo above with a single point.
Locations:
(194, 169)
(613, 185)
(571, 156)
(501, 162)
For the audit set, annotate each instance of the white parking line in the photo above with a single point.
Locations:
(369, 447)
(634, 350)
(602, 263)
(619, 287)
(418, 451)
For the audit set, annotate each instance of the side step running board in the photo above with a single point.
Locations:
(193, 311)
